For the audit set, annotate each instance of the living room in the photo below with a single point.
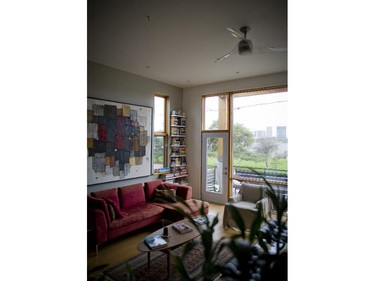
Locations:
(111, 79)
(59, 167)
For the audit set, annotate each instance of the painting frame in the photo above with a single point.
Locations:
(119, 141)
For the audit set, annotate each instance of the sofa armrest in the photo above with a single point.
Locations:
(184, 191)
(97, 220)
(99, 204)
(235, 198)
(266, 206)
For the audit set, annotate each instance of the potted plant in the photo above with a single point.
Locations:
(261, 255)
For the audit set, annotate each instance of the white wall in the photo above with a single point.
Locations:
(115, 85)
(192, 106)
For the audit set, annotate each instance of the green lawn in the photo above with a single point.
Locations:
(278, 163)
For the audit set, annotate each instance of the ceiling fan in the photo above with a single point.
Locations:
(245, 46)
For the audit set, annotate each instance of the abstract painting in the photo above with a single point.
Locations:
(118, 141)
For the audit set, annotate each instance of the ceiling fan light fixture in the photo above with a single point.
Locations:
(245, 47)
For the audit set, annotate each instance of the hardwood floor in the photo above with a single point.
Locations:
(126, 247)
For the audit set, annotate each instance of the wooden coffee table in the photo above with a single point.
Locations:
(174, 240)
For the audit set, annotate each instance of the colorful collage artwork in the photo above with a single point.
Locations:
(118, 141)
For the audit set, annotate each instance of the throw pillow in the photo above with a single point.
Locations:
(111, 211)
(163, 194)
(116, 208)
(162, 187)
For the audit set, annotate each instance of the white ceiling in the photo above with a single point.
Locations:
(178, 41)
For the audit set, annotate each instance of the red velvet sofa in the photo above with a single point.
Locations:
(134, 209)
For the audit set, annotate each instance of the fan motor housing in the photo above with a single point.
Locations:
(245, 47)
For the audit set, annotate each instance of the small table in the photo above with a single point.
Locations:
(174, 240)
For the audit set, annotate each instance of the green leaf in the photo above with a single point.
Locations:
(256, 224)
(189, 246)
(179, 264)
(129, 272)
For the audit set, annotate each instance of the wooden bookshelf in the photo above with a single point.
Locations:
(177, 158)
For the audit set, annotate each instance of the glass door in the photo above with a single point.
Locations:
(215, 167)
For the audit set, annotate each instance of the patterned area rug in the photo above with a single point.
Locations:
(158, 268)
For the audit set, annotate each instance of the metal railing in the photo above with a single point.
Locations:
(249, 174)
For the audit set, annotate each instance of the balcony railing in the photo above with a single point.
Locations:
(275, 177)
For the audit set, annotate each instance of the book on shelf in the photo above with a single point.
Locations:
(175, 131)
(181, 227)
(174, 120)
(178, 161)
(176, 141)
(155, 242)
(167, 176)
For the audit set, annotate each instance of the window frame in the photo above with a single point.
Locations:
(223, 115)
(229, 116)
(164, 133)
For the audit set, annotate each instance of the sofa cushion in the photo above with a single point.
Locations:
(136, 214)
(111, 212)
(169, 185)
(162, 194)
(108, 193)
(251, 193)
(172, 214)
(116, 208)
(131, 195)
(183, 191)
(150, 187)
(244, 205)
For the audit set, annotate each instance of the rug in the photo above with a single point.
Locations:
(158, 268)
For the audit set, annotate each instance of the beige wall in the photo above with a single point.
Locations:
(192, 107)
(115, 85)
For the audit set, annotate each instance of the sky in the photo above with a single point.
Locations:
(258, 112)
(255, 112)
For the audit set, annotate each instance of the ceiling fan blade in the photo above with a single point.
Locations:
(278, 49)
(235, 33)
(263, 50)
(223, 57)
(227, 55)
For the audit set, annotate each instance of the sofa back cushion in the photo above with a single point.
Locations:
(251, 193)
(116, 208)
(150, 188)
(111, 194)
(131, 195)
(183, 191)
(163, 194)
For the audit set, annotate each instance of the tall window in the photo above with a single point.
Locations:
(160, 148)
(258, 132)
(215, 112)
(260, 138)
